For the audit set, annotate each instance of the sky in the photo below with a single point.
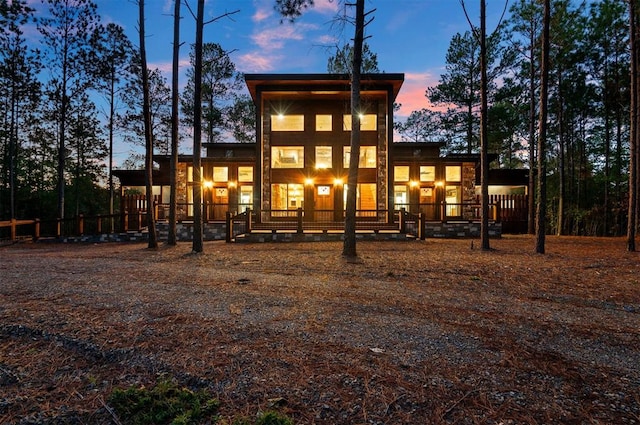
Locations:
(408, 36)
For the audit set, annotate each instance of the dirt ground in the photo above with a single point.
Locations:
(423, 332)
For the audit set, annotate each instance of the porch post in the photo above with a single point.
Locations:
(300, 216)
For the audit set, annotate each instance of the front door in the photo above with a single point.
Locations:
(323, 203)
(220, 202)
(428, 203)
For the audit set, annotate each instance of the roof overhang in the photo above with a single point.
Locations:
(329, 85)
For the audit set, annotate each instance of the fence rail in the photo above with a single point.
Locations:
(80, 225)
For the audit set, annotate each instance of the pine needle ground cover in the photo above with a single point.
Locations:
(427, 332)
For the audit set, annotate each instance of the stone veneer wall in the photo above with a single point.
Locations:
(468, 187)
(266, 159)
(181, 190)
(217, 232)
(383, 150)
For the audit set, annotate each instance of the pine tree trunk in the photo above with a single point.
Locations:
(531, 229)
(146, 112)
(349, 246)
(197, 133)
(541, 208)
(172, 238)
(484, 142)
(633, 134)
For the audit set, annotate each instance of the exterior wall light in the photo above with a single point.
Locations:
(308, 182)
(337, 182)
(439, 184)
(231, 184)
(413, 183)
(208, 184)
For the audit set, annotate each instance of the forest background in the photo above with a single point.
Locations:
(57, 90)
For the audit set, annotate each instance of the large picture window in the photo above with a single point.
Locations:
(367, 157)
(368, 122)
(365, 199)
(287, 122)
(286, 196)
(287, 157)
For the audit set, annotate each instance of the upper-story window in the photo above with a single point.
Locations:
(453, 173)
(287, 157)
(324, 122)
(245, 174)
(368, 122)
(220, 174)
(323, 157)
(287, 122)
(427, 173)
(367, 157)
(401, 173)
(190, 176)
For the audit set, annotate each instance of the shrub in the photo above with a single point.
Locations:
(166, 403)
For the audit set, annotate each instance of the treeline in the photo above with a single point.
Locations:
(589, 100)
(64, 99)
(57, 144)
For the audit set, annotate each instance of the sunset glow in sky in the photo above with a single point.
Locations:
(408, 36)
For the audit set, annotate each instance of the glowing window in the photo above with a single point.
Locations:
(287, 122)
(365, 199)
(220, 174)
(401, 173)
(400, 196)
(287, 157)
(453, 199)
(367, 157)
(245, 174)
(453, 173)
(427, 173)
(368, 122)
(323, 157)
(323, 122)
(286, 197)
(190, 174)
(245, 198)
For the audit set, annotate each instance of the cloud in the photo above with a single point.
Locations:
(274, 38)
(256, 62)
(412, 94)
(263, 12)
(325, 6)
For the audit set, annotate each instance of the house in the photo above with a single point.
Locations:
(298, 165)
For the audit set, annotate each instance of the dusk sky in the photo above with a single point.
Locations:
(408, 36)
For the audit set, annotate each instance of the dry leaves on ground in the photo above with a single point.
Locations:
(411, 333)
